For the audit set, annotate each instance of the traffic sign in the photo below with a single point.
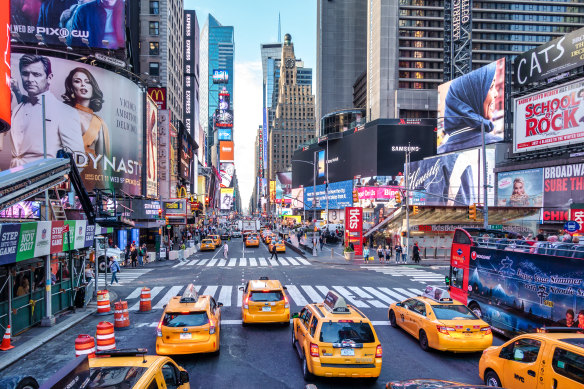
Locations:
(571, 226)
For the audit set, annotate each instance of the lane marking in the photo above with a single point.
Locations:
(173, 291)
(314, 296)
(296, 295)
(225, 296)
(349, 296)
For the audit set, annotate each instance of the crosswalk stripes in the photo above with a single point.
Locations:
(415, 274)
(125, 276)
(363, 297)
(245, 262)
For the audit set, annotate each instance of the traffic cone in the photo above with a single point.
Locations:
(6, 341)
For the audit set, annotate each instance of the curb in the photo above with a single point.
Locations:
(296, 250)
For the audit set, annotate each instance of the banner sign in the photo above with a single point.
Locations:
(562, 186)
(226, 151)
(226, 170)
(554, 57)
(520, 188)
(151, 148)
(5, 66)
(297, 195)
(354, 228)
(550, 118)
(340, 195)
(159, 96)
(226, 198)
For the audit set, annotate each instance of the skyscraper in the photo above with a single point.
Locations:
(341, 44)
(294, 113)
(216, 53)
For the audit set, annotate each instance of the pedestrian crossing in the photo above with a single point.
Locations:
(363, 297)
(125, 276)
(244, 262)
(414, 274)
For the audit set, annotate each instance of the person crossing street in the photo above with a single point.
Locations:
(274, 252)
(225, 250)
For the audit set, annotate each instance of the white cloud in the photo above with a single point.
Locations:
(247, 106)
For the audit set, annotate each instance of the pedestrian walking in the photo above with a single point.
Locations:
(321, 240)
(114, 268)
(398, 253)
(274, 252)
(416, 256)
(225, 250)
(134, 256)
(380, 254)
(145, 253)
(366, 254)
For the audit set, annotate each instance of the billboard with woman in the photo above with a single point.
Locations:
(92, 112)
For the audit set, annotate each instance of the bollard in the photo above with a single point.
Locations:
(332, 253)
(103, 303)
(121, 315)
(106, 339)
(85, 345)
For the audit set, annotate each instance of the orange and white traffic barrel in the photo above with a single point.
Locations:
(106, 339)
(145, 300)
(103, 302)
(85, 345)
(121, 315)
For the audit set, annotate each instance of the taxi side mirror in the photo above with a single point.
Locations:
(219, 305)
(285, 288)
(295, 315)
(398, 304)
(447, 280)
(241, 288)
(184, 377)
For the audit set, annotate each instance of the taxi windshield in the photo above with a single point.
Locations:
(185, 319)
(115, 377)
(337, 332)
(453, 312)
(266, 296)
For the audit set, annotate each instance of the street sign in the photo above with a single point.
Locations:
(571, 226)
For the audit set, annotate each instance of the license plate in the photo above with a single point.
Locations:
(468, 334)
(347, 352)
(186, 336)
(266, 309)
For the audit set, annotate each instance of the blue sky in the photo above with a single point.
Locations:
(256, 22)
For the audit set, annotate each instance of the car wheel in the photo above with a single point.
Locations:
(308, 376)
(392, 320)
(27, 383)
(476, 309)
(492, 379)
(424, 341)
(243, 324)
(293, 338)
(371, 381)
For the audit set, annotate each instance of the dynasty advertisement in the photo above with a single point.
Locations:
(92, 112)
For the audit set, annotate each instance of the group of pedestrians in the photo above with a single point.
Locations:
(384, 254)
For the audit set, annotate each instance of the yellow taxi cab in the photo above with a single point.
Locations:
(279, 243)
(252, 240)
(441, 323)
(207, 244)
(553, 358)
(216, 239)
(189, 324)
(334, 339)
(264, 301)
(268, 238)
(263, 233)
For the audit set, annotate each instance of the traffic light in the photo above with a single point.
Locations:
(166, 220)
(160, 213)
(355, 196)
(283, 202)
(398, 198)
(206, 201)
(472, 212)
(415, 210)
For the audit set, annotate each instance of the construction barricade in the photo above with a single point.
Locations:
(121, 315)
(103, 303)
(105, 336)
(85, 345)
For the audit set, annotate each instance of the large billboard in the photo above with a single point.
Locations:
(469, 102)
(87, 24)
(226, 199)
(185, 154)
(554, 57)
(520, 188)
(550, 118)
(226, 170)
(220, 76)
(339, 195)
(226, 152)
(159, 96)
(5, 66)
(297, 195)
(95, 113)
(164, 153)
(151, 148)
(283, 185)
(451, 179)
(223, 118)
(562, 186)
(225, 134)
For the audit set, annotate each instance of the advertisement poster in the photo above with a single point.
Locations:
(22, 210)
(469, 102)
(226, 170)
(354, 228)
(8, 242)
(297, 195)
(151, 148)
(26, 241)
(226, 151)
(5, 66)
(339, 194)
(69, 23)
(226, 198)
(93, 112)
(89, 235)
(551, 58)
(220, 76)
(321, 163)
(283, 185)
(272, 191)
(42, 244)
(562, 186)
(225, 134)
(451, 179)
(551, 118)
(57, 236)
(520, 188)
(223, 118)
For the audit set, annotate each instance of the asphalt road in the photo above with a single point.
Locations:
(262, 356)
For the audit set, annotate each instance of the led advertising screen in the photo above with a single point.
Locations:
(151, 148)
(5, 67)
(95, 113)
(225, 134)
(226, 152)
(223, 118)
(272, 191)
(87, 24)
(220, 76)
(339, 194)
(224, 100)
(226, 171)
(226, 199)
(520, 188)
(320, 162)
(283, 185)
(22, 210)
(185, 155)
(550, 118)
(469, 102)
(297, 195)
(563, 186)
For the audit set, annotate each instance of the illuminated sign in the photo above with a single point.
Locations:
(159, 96)
(220, 76)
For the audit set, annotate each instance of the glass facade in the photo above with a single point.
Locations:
(341, 121)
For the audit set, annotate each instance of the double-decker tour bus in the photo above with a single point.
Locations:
(514, 285)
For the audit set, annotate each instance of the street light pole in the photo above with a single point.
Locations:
(407, 198)
(485, 183)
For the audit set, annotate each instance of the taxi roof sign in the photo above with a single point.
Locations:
(335, 303)
(190, 295)
(437, 293)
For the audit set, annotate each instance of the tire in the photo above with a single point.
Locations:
(27, 383)
(423, 340)
(492, 379)
(371, 380)
(293, 337)
(243, 324)
(308, 376)
(476, 309)
(391, 317)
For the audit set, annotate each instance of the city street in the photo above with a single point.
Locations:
(257, 356)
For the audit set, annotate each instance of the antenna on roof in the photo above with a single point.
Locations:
(279, 29)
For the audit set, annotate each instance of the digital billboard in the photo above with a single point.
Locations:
(339, 194)
(164, 153)
(95, 113)
(272, 191)
(185, 155)
(550, 118)
(5, 67)
(226, 152)
(226, 199)
(223, 118)
(563, 185)
(297, 195)
(226, 170)
(554, 57)
(520, 188)
(320, 163)
(88, 24)
(283, 185)
(151, 148)
(220, 76)
(225, 134)
(22, 210)
(159, 96)
(469, 102)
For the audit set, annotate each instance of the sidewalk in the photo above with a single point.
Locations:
(35, 337)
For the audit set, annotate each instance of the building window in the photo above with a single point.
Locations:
(154, 48)
(154, 68)
(154, 10)
(154, 28)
